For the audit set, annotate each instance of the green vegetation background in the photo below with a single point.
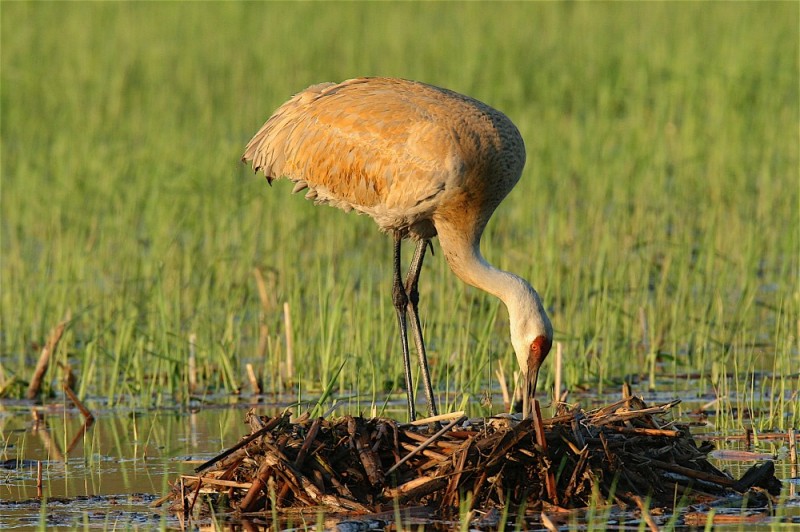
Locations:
(661, 190)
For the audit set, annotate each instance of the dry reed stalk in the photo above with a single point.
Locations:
(44, 360)
(287, 320)
(422, 446)
(266, 306)
(558, 363)
(501, 378)
(87, 415)
(263, 295)
(211, 481)
(645, 513)
(192, 369)
(435, 419)
(251, 376)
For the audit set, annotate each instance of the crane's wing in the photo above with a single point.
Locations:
(365, 143)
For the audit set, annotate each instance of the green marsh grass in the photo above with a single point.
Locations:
(662, 182)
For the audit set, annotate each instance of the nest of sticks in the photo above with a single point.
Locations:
(626, 451)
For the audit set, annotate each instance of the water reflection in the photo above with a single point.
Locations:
(120, 463)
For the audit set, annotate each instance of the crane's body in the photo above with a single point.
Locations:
(421, 161)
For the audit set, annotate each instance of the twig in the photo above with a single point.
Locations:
(434, 419)
(550, 479)
(416, 488)
(196, 493)
(425, 444)
(632, 414)
(301, 455)
(691, 473)
(645, 431)
(514, 436)
(210, 481)
(268, 427)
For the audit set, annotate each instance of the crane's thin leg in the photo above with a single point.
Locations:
(413, 304)
(400, 301)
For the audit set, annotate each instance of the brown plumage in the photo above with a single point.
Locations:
(421, 161)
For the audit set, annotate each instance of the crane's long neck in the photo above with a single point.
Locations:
(531, 330)
(462, 251)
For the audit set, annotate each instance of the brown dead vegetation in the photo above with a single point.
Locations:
(625, 451)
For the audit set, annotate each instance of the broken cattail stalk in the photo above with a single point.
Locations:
(192, 369)
(251, 376)
(548, 523)
(44, 360)
(501, 378)
(557, 387)
(263, 295)
(87, 415)
(259, 484)
(287, 321)
(263, 341)
(649, 351)
(263, 329)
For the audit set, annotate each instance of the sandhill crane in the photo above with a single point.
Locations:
(421, 161)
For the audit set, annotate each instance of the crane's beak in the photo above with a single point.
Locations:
(529, 390)
(538, 352)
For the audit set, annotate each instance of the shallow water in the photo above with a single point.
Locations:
(106, 475)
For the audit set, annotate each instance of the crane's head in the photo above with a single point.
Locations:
(537, 351)
(532, 337)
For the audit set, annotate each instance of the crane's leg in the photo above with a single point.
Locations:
(413, 305)
(400, 301)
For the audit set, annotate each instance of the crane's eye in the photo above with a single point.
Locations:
(540, 347)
